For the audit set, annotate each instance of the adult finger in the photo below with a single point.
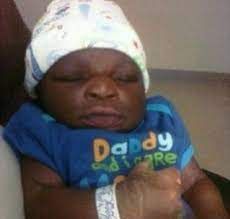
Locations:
(140, 168)
(168, 178)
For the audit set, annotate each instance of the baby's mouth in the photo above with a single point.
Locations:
(104, 118)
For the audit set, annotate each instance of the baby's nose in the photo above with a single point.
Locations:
(101, 88)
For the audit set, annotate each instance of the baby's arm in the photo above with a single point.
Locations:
(46, 196)
(201, 193)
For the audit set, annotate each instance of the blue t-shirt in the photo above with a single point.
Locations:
(91, 158)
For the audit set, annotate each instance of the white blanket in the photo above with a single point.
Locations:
(11, 199)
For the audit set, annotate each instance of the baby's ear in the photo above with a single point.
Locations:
(37, 89)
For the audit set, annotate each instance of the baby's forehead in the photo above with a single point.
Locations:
(98, 53)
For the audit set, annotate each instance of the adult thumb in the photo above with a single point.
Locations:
(140, 168)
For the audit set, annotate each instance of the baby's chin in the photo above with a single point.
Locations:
(109, 124)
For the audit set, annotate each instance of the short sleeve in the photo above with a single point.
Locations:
(170, 120)
(27, 136)
(186, 150)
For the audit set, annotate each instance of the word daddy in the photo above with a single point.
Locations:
(133, 147)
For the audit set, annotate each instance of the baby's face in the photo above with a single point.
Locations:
(94, 88)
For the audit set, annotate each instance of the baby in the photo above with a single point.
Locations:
(90, 121)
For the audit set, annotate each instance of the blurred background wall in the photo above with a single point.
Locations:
(183, 35)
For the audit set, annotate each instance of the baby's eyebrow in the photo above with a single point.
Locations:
(78, 71)
(72, 69)
(128, 64)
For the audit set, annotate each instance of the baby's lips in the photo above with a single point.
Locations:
(101, 110)
(102, 120)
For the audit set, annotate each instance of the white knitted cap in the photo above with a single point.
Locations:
(71, 25)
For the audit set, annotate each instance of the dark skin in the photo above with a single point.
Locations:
(14, 36)
(93, 89)
(102, 84)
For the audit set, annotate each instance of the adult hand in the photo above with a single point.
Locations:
(146, 194)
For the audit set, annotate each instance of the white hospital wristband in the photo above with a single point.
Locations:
(106, 202)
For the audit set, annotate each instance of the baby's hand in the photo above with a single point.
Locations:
(146, 194)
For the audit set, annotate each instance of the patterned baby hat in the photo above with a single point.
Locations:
(71, 25)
